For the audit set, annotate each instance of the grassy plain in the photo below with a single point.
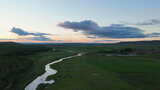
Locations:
(95, 70)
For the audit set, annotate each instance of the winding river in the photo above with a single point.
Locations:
(48, 71)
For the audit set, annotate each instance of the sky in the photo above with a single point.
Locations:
(91, 21)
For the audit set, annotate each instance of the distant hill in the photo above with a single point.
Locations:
(67, 44)
(155, 42)
(8, 48)
(8, 43)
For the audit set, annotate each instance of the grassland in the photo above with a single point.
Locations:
(92, 71)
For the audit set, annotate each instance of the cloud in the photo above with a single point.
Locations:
(89, 27)
(38, 38)
(108, 41)
(22, 32)
(93, 37)
(154, 35)
(35, 36)
(6, 39)
(146, 23)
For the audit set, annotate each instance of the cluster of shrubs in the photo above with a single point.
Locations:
(10, 70)
(130, 51)
(14, 62)
(117, 51)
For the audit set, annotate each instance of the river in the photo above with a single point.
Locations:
(48, 71)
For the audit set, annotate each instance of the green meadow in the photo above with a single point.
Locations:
(96, 72)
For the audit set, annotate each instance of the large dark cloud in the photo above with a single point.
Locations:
(89, 27)
(22, 32)
(146, 23)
